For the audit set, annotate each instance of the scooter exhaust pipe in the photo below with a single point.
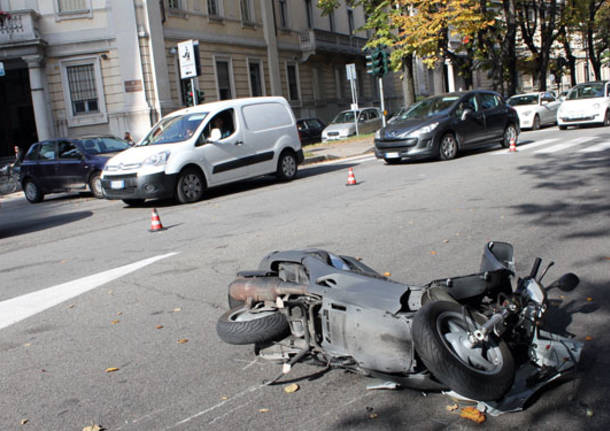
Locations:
(263, 288)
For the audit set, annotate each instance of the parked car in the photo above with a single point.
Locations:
(205, 146)
(343, 126)
(65, 165)
(442, 125)
(535, 109)
(310, 130)
(587, 103)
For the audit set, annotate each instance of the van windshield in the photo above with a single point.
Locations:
(174, 129)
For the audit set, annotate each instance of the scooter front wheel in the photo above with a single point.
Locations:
(484, 372)
(242, 325)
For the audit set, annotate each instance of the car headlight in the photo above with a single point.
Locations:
(527, 113)
(425, 130)
(378, 134)
(158, 159)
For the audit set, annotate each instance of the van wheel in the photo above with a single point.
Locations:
(287, 166)
(190, 187)
(32, 192)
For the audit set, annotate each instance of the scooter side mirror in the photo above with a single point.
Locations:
(566, 282)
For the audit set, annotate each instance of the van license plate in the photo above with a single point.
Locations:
(117, 184)
(392, 155)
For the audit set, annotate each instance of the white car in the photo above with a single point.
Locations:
(343, 126)
(587, 103)
(535, 109)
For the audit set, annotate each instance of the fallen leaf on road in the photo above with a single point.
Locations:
(588, 338)
(62, 262)
(452, 407)
(119, 313)
(111, 369)
(589, 299)
(93, 428)
(589, 412)
(607, 258)
(224, 398)
(473, 414)
(71, 306)
(263, 410)
(291, 388)
(432, 252)
(114, 322)
(183, 340)
(387, 274)
(27, 344)
(159, 326)
(445, 241)
(110, 292)
(177, 309)
(373, 415)
(24, 421)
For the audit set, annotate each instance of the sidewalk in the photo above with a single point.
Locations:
(339, 149)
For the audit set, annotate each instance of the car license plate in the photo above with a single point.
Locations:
(392, 155)
(117, 184)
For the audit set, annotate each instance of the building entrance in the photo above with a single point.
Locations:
(17, 122)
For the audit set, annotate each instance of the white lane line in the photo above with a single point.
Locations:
(16, 309)
(525, 147)
(597, 147)
(360, 158)
(565, 145)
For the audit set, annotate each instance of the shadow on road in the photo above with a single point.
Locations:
(20, 227)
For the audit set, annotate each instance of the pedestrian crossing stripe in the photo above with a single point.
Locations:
(601, 146)
(563, 146)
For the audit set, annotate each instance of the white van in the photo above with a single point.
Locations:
(206, 146)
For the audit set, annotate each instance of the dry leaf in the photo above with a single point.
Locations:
(387, 274)
(291, 388)
(24, 421)
(71, 306)
(373, 415)
(159, 326)
(452, 407)
(111, 369)
(589, 412)
(119, 313)
(27, 344)
(224, 398)
(263, 410)
(183, 340)
(93, 428)
(589, 299)
(445, 241)
(588, 338)
(473, 414)
(114, 322)
(177, 309)
(432, 252)
(110, 292)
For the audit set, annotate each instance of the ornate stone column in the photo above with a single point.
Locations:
(40, 96)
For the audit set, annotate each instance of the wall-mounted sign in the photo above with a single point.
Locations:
(133, 86)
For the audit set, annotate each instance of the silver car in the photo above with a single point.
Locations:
(343, 126)
(535, 109)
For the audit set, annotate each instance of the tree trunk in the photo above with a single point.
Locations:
(510, 56)
(408, 82)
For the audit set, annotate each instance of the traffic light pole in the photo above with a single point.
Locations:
(381, 98)
(193, 92)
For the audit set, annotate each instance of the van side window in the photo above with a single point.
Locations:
(224, 121)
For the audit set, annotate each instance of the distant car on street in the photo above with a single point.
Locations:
(65, 165)
(535, 109)
(343, 125)
(587, 103)
(442, 125)
(310, 130)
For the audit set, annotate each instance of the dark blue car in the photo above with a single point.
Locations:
(65, 165)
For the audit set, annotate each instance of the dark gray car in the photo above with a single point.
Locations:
(440, 126)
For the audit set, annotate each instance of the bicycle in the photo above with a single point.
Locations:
(9, 179)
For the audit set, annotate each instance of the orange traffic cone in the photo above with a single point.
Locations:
(513, 145)
(155, 222)
(351, 179)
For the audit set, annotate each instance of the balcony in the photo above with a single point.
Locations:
(20, 28)
(329, 42)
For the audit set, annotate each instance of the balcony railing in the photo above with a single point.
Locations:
(21, 26)
(327, 41)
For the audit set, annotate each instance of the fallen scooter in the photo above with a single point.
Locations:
(476, 336)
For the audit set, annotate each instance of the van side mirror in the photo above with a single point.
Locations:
(215, 135)
(467, 112)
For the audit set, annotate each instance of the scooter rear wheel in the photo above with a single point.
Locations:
(484, 372)
(242, 325)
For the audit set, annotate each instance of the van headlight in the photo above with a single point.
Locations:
(158, 159)
(527, 113)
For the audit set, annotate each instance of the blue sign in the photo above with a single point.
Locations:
(2, 73)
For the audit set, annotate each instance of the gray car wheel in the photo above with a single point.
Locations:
(32, 192)
(448, 147)
(607, 119)
(509, 133)
(536, 123)
(95, 185)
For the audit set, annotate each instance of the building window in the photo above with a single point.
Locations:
(223, 79)
(247, 17)
(174, 4)
(83, 94)
(70, 6)
(331, 21)
(293, 82)
(283, 14)
(350, 20)
(309, 12)
(213, 9)
(256, 78)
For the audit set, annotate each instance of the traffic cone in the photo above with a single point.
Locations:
(513, 145)
(351, 179)
(155, 222)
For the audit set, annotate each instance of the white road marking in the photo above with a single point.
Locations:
(525, 147)
(597, 147)
(360, 158)
(16, 309)
(560, 147)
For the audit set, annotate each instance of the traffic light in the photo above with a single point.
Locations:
(377, 63)
(200, 96)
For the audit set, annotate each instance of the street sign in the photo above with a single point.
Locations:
(2, 72)
(186, 57)
(350, 69)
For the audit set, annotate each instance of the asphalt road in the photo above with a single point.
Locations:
(419, 221)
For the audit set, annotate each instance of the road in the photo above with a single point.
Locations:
(155, 320)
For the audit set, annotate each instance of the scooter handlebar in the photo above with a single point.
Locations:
(535, 268)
